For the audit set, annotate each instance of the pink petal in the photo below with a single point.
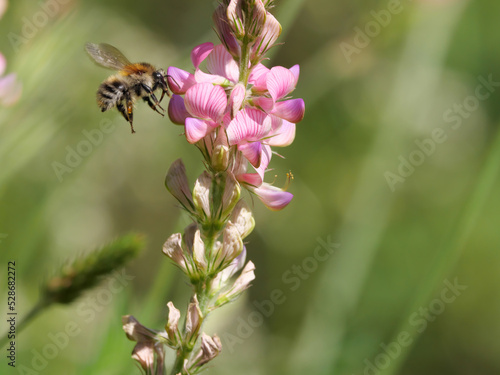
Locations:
(177, 110)
(206, 101)
(195, 129)
(280, 82)
(258, 77)
(221, 63)
(273, 198)
(252, 152)
(236, 98)
(252, 179)
(267, 104)
(179, 80)
(296, 72)
(256, 179)
(202, 77)
(248, 125)
(291, 110)
(284, 136)
(200, 53)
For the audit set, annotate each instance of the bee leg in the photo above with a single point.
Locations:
(152, 95)
(130, 114)
(122, 110)
(152, 105)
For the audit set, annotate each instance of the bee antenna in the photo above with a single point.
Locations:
(167, 76)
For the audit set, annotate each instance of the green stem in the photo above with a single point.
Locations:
(244, 62)
(37, 309)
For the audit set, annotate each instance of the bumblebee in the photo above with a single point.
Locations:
(133, 81)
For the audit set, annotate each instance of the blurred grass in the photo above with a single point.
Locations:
(360, 117)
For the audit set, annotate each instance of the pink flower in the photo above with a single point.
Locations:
(277, 83)
(221, 69)
(206, 105)
(273, 197)
(247, 130)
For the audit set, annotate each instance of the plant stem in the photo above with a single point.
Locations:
(244, 60)
(37, 309)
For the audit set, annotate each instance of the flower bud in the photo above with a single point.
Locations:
(235, 18)
(194, 319)
(146, 351)
(172, 324)
(192, 238)
(240, 285)
(231, 195)
(173, 249)
(221, 279)
(210, 348)
(232, 245)
(243, 219)
(270, 32)
(224, 32)
(177, 184)
(201, 195)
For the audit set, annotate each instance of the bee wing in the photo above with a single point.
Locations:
(106, 55)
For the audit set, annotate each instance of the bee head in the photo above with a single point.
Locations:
(159, 76)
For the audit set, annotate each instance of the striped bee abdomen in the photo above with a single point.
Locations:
(110, 93)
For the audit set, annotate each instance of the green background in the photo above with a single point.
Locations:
(398, 246)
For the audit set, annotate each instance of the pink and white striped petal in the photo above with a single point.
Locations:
(273, 198)
(291, 110)
(280, 82)
(196, 129)
(283, 136)
(177, 110)
(202, 77)
(252, 152)
(179, 80)
(248, 125)
(221, 63)
(266, 104)
(200, 53)
(237, 98)
(257, 78)
(206, 101)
